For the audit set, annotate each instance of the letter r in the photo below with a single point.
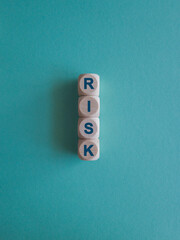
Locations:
(89, 82)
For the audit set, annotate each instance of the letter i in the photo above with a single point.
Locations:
(89, 106)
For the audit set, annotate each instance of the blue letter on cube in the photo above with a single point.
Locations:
(89, 82)
(88, 126)
(88, 150)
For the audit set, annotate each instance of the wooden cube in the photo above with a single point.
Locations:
(88, 127)
(88, 84)
(88, 149)
(89, 106)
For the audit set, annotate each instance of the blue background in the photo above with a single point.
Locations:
(133, 191)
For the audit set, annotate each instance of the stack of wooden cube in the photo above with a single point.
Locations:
(88, 123)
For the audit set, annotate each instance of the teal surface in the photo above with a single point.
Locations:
(133, 191)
